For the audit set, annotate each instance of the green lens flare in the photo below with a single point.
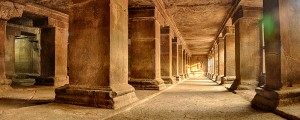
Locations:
(269, 26)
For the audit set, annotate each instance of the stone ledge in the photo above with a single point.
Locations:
(168, 80)
(147, 84)
(95, 98)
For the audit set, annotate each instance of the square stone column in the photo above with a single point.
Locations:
(8, 10)
(180, 62)
(184, 63)
(212, 64)
(247, 47)
(4, 83)
(282, 40)
(145, 49)
(189, 66)
(175, 58)
(98, 55)
(216, 62)
(229, 61)
(221, 60)
(209, 71)
(166, 55)
(54, 43)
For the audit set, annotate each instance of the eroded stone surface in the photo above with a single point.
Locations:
(198, 21)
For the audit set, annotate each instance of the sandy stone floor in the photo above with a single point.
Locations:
(196, 99)
(191, 99)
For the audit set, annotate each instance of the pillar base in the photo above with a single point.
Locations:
(168, 79)
(228, 79)
(5, 84)
(243, 85)
(270, 100)
(214, 77)
(210, 75)
(182, 77)
(219, 79)
(147, 84)
(177, 78)
(109, 98)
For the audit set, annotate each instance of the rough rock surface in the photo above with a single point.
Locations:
(198, 21)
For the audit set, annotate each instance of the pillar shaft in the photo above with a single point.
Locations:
(229, 61)
(145, 49)
(166, 55)
(3, 80)
(8, 10)
(220, 59)
(216, 62)
(184, 64)
(99, 69)
(175, 57)
(247, 48)
(180, 62)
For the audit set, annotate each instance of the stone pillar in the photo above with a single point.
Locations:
(180, 62)
(212, 63)
(216, 62)
(247, 47)
(4, 83)
(10, 53)
(145, 49)
(229, 61)
(188, 65)
(98, 55)
(220, 60)
(54, 43)
(209, 72)
(8, 10)
(184, 64)
(61, 51)
(282, 40)
(175, 58)
(166, 55)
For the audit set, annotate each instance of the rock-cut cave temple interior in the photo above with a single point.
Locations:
(149, 59)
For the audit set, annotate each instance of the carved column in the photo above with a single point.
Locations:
(221, 60)
(216, 62)
(184, 63)
(246, 21)
(213, 63)
(8, 10)
(98, 55)
(166, 55)
(175, 59)
(180, 62)
(145, 49)
(229, 61)
(282, 40)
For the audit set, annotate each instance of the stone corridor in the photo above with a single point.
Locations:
(195, 98)
(149, 59)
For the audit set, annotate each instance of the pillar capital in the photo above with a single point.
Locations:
(228, 30)
(247, 12)
(10, 10)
